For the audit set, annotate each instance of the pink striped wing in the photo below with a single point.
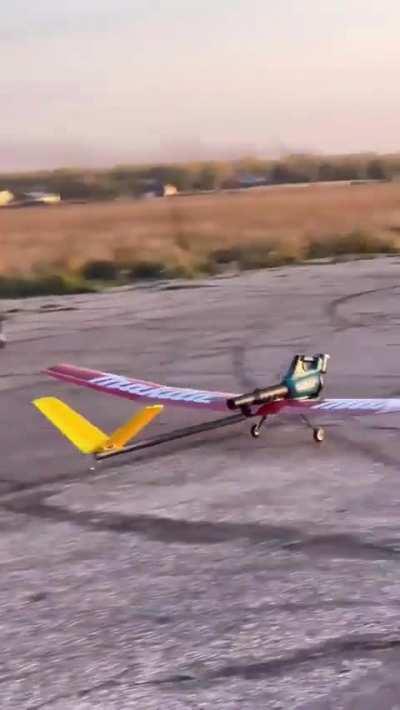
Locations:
(134, 389)
(338, 408)
(130, 388)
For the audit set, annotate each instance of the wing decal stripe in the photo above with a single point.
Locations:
(139, 389)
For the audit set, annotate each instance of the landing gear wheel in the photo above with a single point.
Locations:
(319, 435)
(255, 431)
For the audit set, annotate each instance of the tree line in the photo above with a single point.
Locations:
(135, 180)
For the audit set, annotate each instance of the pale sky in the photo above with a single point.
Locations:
(99, 82)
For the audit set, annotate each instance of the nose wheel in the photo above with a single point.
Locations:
(255, 430)
(319, 435)
(318, 432)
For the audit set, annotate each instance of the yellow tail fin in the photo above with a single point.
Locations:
(133, 427)
(87, 437)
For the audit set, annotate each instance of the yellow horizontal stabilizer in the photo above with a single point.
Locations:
(132, 428)
(87, 437)
(84, 435)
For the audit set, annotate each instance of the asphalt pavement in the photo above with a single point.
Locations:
(217, 572)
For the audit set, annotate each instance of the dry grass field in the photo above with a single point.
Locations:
(192, 235)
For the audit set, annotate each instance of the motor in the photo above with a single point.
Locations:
(303, 380)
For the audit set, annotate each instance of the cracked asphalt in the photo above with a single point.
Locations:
(217, 572)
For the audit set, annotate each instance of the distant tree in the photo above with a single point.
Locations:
(207, 177)
(376, 170)
(303, 167)
(130, 180)
(348, 170)
(326, 172)
(280, 173)
(252, 166)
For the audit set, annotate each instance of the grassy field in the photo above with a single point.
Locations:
(188, 236)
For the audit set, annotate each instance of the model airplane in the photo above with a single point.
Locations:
(297, 394)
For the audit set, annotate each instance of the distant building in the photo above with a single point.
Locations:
(40, 197)
(242, 181)
(28, 199)
(170, 190)
(155, 188)
(6, 197)
(251, 180)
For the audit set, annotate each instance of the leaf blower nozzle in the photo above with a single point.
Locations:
(258, 396)
(303, 380)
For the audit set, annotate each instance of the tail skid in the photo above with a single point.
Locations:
(84, 435)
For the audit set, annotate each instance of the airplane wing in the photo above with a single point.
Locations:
(343, 407)
(130, 388)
